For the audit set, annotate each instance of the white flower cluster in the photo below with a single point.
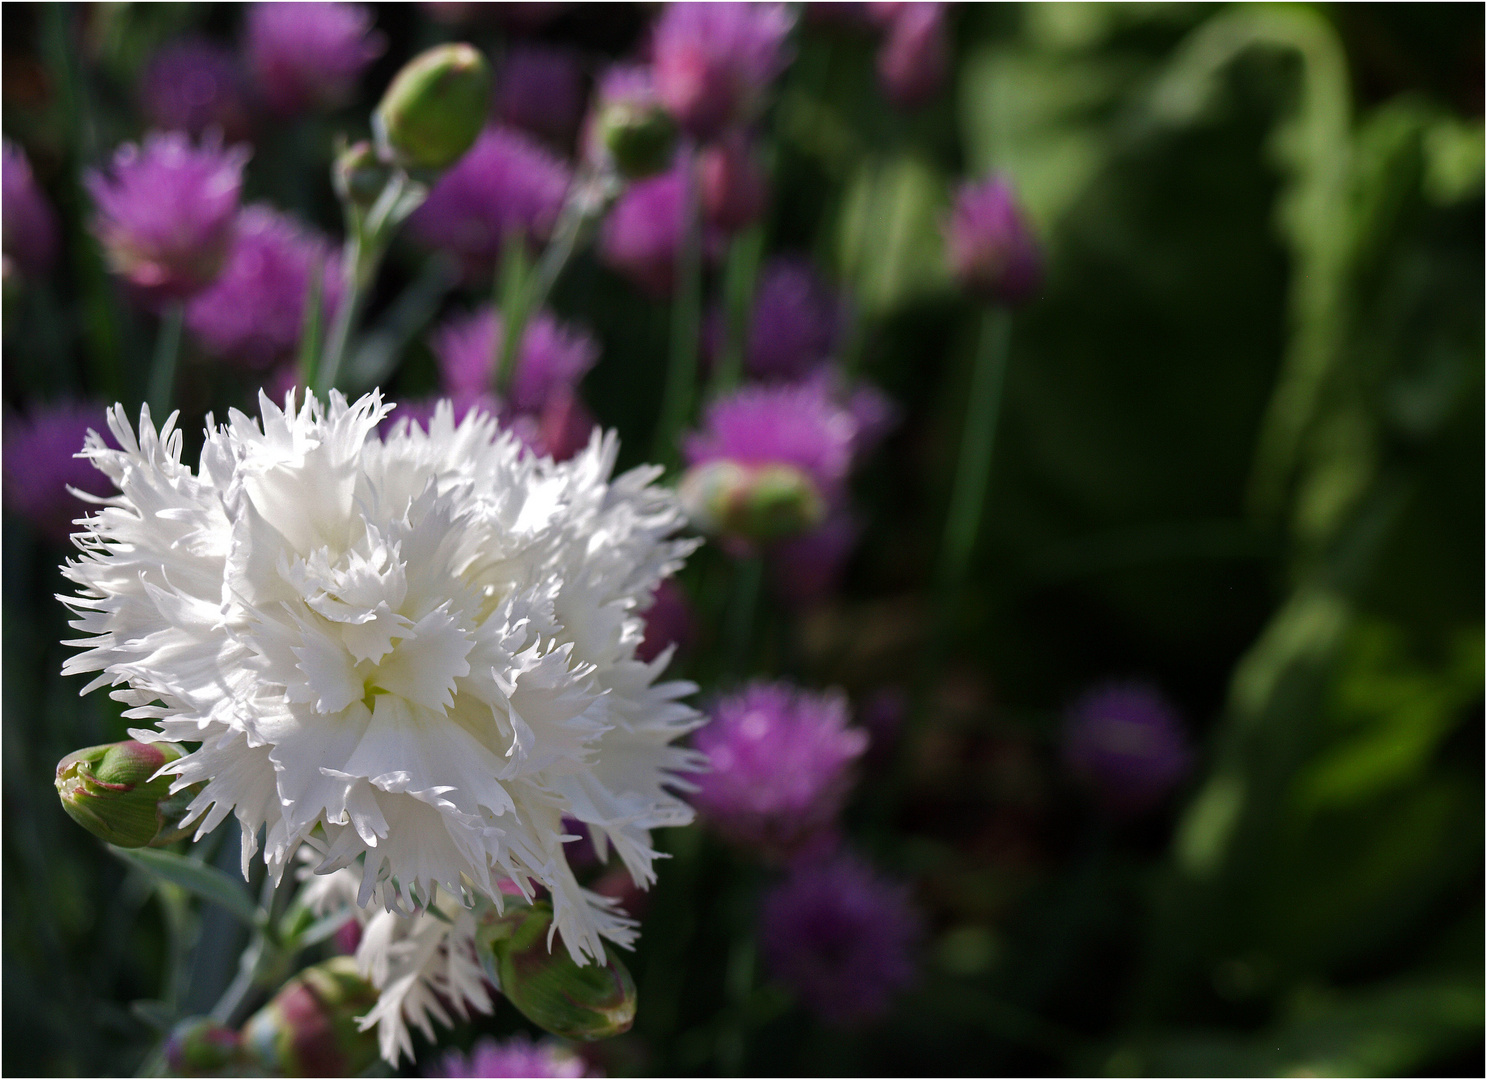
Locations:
(416, 656)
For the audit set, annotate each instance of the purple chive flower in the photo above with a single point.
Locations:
(992, 250)
(517, 1056)
(505, 185)
(733, 186)
(914, 61)
(842, 937)
(668, 621)
(1126, 742)
(780, 765)
(553, 357)
(254, 314)
(309, 55)
(541, 90)
(642, 235)
(714, 60)
(166, 212)
(806, 569)
(192, 84)
(39, 465)
(27, 219)
(796, 322)
(796, 425)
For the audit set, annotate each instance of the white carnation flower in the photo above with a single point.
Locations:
(421, 650)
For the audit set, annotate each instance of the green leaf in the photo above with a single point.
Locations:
(206, 882)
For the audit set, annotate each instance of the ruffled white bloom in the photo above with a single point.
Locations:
(419, 963)
(421, 649)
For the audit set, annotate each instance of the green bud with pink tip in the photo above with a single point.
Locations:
(113, 792)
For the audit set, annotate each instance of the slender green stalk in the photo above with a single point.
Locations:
(739, 277)
(686, 320)
(973, 467)
(743, 605)
(346, 315)
(511, 296)
(167, 355)
(310, 351)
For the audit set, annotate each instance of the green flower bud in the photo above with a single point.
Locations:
(639, 138)
(359, 175)
(203, 1047)
(754, 503)
(108, 791)
(596, 1001)
(310, 1029)
(780, 502)
(434, 109)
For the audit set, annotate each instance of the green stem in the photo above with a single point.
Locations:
(973, 468)
(163, 367)
(739, 277)
(686, 318)
(352, 273)
(748, 578)
(511, 301)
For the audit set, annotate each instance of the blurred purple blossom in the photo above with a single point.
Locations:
(552, 357)
(506, 185)
(733, 186)
(842, 937)
(254, 314)
(166, 212)
(541, 90)
(309, 55)
(780, 765)
(713, 61)
(992, 250)
(517, 1056)
(29, 224)
(668, 621)
(192, 84)
(1126, 742)
(914, 60)
(39, 464)
(642, 235)
(798, 425)
(796, 322)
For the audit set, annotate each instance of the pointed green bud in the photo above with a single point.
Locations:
(310, 1029)
(754, 503)
(434, 109)
(640, 138)
(202, 1047)
(108, 790)
(359, 175)
(596, 1001)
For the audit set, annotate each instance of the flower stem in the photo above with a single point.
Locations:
(973, 467)
(167, 353)
(686, 318)
(748, 576)
(739, 276)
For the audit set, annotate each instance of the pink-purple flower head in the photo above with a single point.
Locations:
(551, 358)
(515, 1057)
(796, 322)
(780, 766)
(191, 85)
(797, 425)
(506, 185)
(842, 937)
(1127, 743)
(642, 235)
(254, 314)
(29, 223)
(309, 55)
(732, 183)
(40, 465)
(541, 90)
(993, 252)
(166, 212)
(914, 60)
(713, 61)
